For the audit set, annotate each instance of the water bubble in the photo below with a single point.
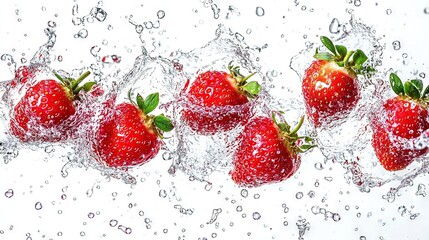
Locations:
(260, 11)
(113, 222)
(124, 229)
(162, 193)
(329, 179)
(52, 24)
(215, 215)
(95, 50)
(75, 9)
(421, 190)
(9, 193)
(334, 26)
(426, 10)
(99, 14)
(77, 21)
(139, 28)
(256, 196)
(256, 216)
(299, 195)
(388, 11)
(318, 166)
(396, 45)
(38, 205)
(91, 215)
(83, 33)
(160, 14)
(357, 3)
(43, 9)
(244, 193)
(239, 208)
(336, 217)
(362, 238)
(311, 194)
(216, 11)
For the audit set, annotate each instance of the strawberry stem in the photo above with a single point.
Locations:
(298, 126)
(82, 77)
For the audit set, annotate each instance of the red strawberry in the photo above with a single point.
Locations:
(129, 136)
(401, 118)
(330, 85)
(268, 152)
(218, 100)
(41, 114)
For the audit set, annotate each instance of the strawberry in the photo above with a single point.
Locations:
(41, 113)
(217, 100)
(128, 136)
(330, 86)
(268, 152)
(401, 119)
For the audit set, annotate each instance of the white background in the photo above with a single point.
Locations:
(35, 175)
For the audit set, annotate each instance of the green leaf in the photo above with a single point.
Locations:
(88, 86)
(418, 84)
(150, 103)
(359, 58)
(342, 51)
(396, 84)
(328, 44)
(252, 87)
(324, 56)
(426, 93)
(140, 102)
(163, 123)
(412, 90)
(306, 147)
(284, 127)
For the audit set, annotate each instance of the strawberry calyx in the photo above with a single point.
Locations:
(73, 86)
(410, 89)
(159, 123)
(250, 89)
(351, 60)
(290, 137)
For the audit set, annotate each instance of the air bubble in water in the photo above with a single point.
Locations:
(244, 193)
(388, 11)
(160, 14)
(52, 24)
(299, 195)
(426, 10)
(260, 11)
(396, 45)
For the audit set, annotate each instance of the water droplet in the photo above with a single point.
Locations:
(334, 26)
(388, 11)
(318, 166)
(83, 33)
(38, 205)
(163, 193)
(256, 216)
(113, 223)
(124, 229)
(91, 215)
(260, 11)
(244, 193)
(396, 45)
(77, 21)
(357, 3)
(95, 50)
(299, 195)
(9, 193)
(160, 14)
(426, 10)
(75, 9)
(99, 14)
(52, 24)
